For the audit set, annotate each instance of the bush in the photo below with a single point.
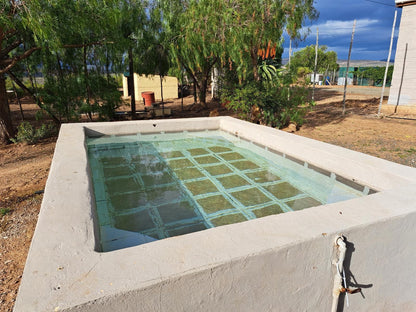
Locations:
(26, 133)
(274, 102)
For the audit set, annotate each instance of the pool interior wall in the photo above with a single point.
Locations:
(159, 185)
(279, 263)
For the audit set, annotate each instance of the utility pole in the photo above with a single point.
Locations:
(316, 63)
(387, 64)
(348, 67)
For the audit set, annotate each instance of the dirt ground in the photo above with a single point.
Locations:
(24, 168)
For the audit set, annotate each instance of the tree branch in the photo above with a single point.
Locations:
(11, 47)
(11, 62)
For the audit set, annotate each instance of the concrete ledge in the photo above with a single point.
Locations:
(277, 263)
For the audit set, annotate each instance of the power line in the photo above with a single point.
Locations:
(380, 3)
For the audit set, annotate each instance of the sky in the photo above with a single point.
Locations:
(336, 18)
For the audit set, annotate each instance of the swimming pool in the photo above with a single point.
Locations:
(276, 263)
(153, 186)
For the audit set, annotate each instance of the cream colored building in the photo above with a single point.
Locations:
(403, 88)
(152, 83)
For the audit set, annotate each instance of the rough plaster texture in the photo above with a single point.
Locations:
(277, 263)
(152, 83)
(408, 68)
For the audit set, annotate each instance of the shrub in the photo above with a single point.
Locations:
(26, 133)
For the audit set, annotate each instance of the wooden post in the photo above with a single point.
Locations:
(290, 51)
(348, 66)
(387, 64)
(316, 63)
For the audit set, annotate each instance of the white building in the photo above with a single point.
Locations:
(403, 88)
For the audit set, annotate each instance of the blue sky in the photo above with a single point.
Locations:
(336, 17)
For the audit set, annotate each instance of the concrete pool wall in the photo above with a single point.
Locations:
(277, 263)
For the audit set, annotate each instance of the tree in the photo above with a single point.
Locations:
(305, 58)
(374, 74)
(254, 25)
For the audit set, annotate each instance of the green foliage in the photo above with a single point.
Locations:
(26, 133)
(303, 61)
(275, 102)
(375, 74)
(4, 211)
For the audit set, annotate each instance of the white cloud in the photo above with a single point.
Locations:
(341, 28)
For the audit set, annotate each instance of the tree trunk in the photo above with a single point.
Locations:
(202, 91)
(254, 60)
(6, 127)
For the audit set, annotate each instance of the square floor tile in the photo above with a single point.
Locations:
(232, 181)
(176, 211)
(176, 231)
(219, 149)
(262, 176)
(231, 156)
(111, 172)
(171, 154)
(166, 194)
(283, 190)
(228, 219)
(214, 203)
(198, 151)
(122, 185)
(189, 173)
(135, 222)
(244, 165)
(180, 163)
(113, 161)
(201, 187)
(251, 197)
(128, 201)
(303, 203)
(206, 160)
(217, 169)
(157, 178)
(269, 210)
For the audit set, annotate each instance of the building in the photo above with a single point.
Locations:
(355, 65)
(403, 91)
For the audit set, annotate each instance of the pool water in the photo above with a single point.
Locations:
(153, 186)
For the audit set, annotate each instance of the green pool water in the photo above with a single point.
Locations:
(153, 186)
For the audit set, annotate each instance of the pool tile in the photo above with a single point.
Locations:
(111, 172)
(214, 203)
(201, 187)
(135, 222)
(187, 229)
(269, 210)
(128, 201)
(303, 203)
(231, 156)
(206, 160)
(250, 197)
(244, 165)
(228, 219)
(198, 151)
(180, 163)
(122, 185)
(232, 181)
(172, 154)
(113, 161)
(217, 169)
(262, 176)
(157, 178)
(166, 194)
(283, 190)
(172, 212)
(219, 149)
(189, 173)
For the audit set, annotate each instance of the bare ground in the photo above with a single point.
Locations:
(24, 168)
